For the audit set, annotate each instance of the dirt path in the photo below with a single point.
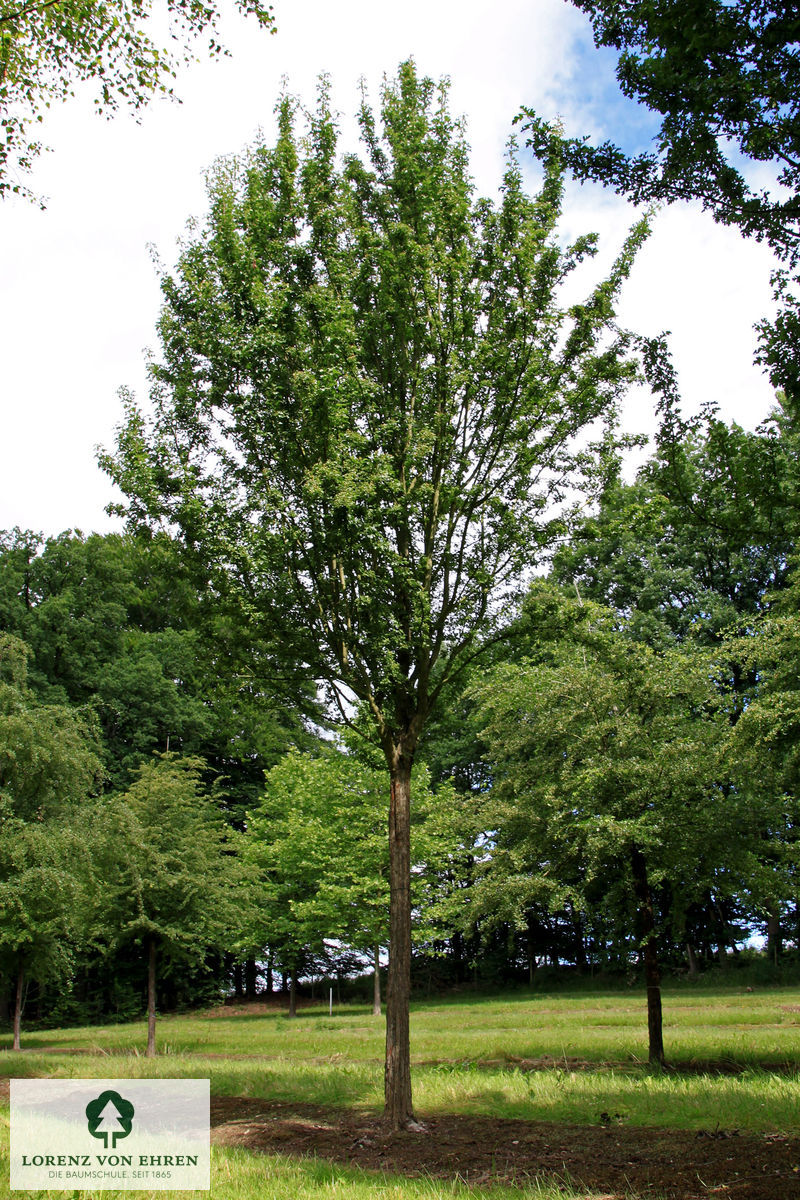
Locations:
(608, 1160)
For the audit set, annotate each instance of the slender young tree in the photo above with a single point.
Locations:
(366, 414)
(49, 767)
(608, 764)
(168, 875)
(44, 871)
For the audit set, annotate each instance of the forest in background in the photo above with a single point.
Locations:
(175, 797)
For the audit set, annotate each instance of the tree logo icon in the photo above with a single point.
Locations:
(109, 1116)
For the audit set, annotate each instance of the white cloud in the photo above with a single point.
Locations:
(79, 296)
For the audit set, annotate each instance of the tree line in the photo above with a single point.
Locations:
(612, 788)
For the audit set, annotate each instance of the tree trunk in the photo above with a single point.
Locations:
(647, 941)
(251, 978)
(151, 998)
(376, 984)
(457, 944)
(238, 981)
(293, 994)
(269, 973)
(531, 949)
(692, 960)
(18, 1008)
(722, 934)
(773, 934)
(580, 946)
(398, 1112)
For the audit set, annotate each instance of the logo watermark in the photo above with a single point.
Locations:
(128, 1134)
(109, 1116)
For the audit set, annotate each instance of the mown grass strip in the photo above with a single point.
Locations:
(754, 1100)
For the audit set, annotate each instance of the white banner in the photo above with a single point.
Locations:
(90, 1134)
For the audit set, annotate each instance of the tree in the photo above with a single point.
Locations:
(607, 761)
(725, 79)
(43, 877)
(765, 751)
(129, 628)
(365, 415)
(49, 767)
(323, 856)
(49, 754)
(320, 845)
(49, 46)
(169, 876)
(700, 543)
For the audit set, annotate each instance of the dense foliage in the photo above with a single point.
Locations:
(368, 415)
(641, 716)
(367, 434)
(724, 78)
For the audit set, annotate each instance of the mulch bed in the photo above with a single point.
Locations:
(608, 1160)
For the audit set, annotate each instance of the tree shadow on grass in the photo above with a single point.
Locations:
(313, 1010)
(726, 1065)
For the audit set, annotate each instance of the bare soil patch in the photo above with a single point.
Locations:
(608, 1159)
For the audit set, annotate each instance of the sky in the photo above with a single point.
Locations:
(79, 290)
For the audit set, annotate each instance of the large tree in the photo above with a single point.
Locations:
(725, 80)
(366, 413)
(49, 46)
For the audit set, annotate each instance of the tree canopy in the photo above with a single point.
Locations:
(367, 410)
(168, 875)
(725, 80)
(609, 756)
(49, 754)
(129, 630)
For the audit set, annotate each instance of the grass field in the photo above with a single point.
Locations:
(568, 1057)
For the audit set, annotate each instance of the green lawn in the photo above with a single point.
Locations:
(735, 1063)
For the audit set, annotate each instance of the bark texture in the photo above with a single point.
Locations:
(398, 1111)
(18, 1008)
(151, 999)
(652, 970)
